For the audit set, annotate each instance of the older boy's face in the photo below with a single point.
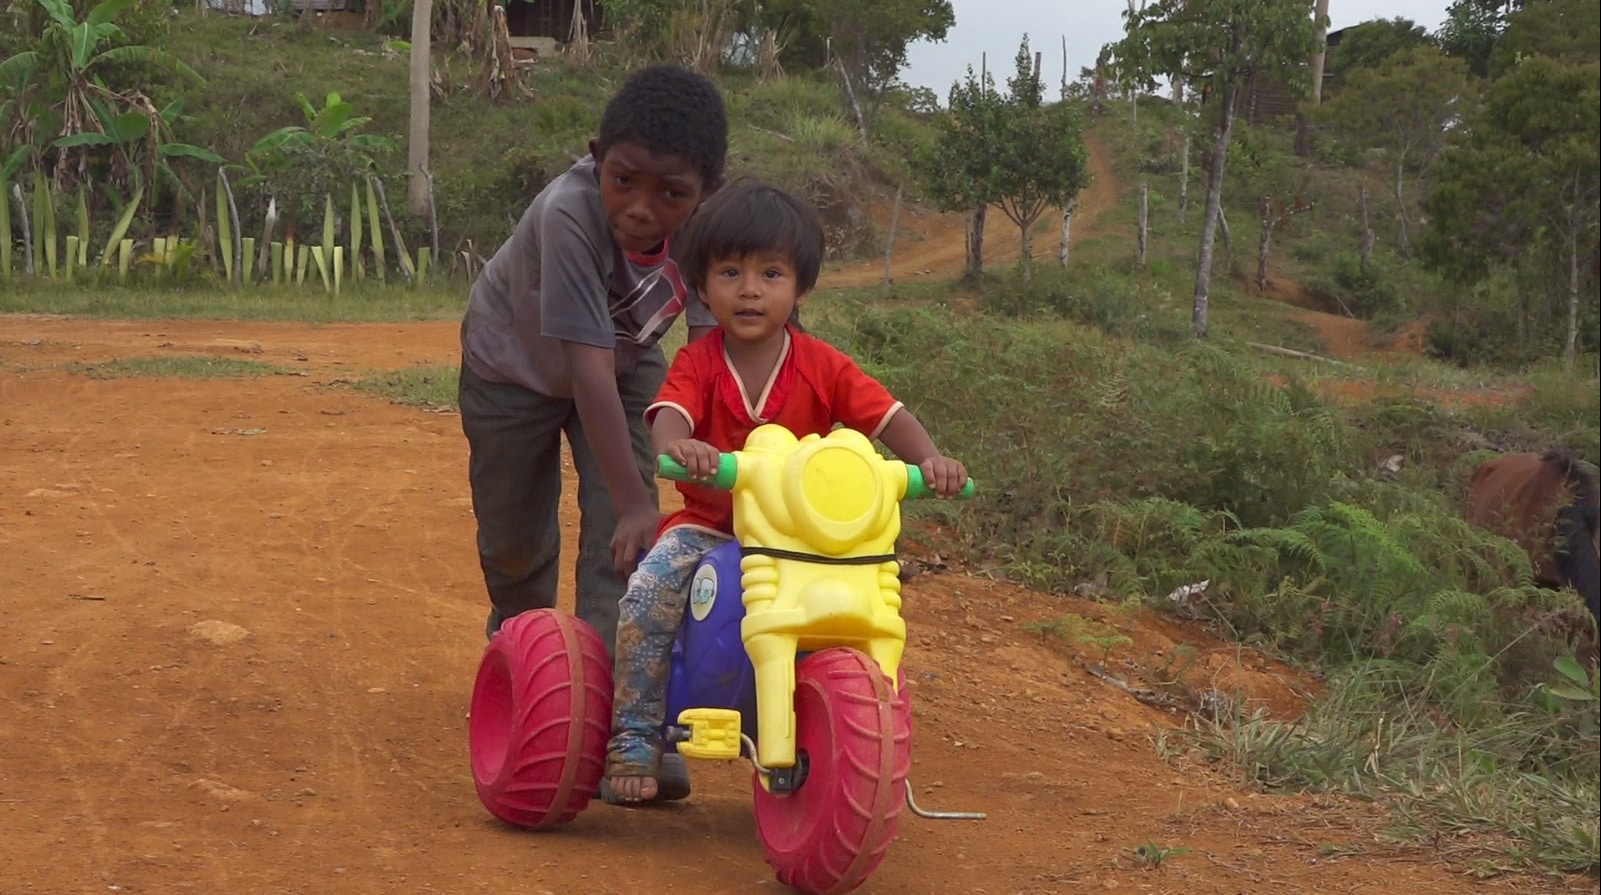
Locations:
(647, 196)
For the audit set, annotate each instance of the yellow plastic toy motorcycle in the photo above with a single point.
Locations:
(789, 655)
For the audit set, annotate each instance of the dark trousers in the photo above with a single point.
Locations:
(514, 467)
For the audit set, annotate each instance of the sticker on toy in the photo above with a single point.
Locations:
(703, 593)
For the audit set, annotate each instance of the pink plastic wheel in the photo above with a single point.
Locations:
(541, 714)
(855, 733)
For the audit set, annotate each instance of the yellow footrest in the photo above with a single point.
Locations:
(713, 734)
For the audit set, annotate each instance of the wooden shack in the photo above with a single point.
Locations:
(1267, 96)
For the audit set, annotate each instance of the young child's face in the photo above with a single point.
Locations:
(752, 297)
(647, 196)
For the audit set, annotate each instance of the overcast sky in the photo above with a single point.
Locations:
(996, 27)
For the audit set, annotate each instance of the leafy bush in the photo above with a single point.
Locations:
(1366, 293)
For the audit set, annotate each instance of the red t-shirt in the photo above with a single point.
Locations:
(813, 387)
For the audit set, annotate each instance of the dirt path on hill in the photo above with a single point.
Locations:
(931, 246)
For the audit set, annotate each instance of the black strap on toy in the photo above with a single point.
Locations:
(798, 556)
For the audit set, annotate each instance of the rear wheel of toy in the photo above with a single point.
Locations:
(854, 734)
(540, 717)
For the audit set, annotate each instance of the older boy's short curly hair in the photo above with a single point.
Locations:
(667, 109)
(748, 217)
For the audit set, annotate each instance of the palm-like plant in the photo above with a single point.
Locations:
(71, 56)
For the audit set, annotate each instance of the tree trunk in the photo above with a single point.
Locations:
(1320, 51)
(975, 240)
(1264, 244)
(1367, 230)
(850, 94)
(1144, 235)
(1214, 206)
(27, 231)
(889, 244)
(417, 141)
(1064, 68)
(1184, 181)
(1570, 349)
(1026, 259)
(1067, 229)
(1402, 242)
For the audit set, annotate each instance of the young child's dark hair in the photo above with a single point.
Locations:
(667, 109)
(747, 217)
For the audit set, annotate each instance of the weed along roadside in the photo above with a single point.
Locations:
(1214, 603)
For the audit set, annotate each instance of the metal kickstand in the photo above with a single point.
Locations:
(939, 815)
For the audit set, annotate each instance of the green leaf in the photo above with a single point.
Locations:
(60, 11)
(80, 43)
(19, 66)
(278, 138)
(106, 11)
(149, 56)
(173, 111)
(87, 138)
(129, 126)
(121, 228)
(185, 150)
(14, 161)
(1569, 667)
(1575, 694)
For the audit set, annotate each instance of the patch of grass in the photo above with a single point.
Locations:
(1519, 791)
(185, 367)
(370, 303)
(415, 386)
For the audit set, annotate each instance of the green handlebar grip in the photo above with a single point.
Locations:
(727, 471)
(915, 487)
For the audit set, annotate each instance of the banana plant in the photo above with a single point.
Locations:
(70, 55)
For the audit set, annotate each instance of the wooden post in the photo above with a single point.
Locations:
(1144, 235)
(1367, 230)
(889, 244)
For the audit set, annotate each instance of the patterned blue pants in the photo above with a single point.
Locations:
(650, 614)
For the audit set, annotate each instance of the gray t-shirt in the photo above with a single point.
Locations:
(561, 277)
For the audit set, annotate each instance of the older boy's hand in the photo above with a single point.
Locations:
(698, 458)
(636, 532)
(944, 475)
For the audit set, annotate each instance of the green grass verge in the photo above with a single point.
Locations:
(432, 386)
(183, 367)
(362, 304)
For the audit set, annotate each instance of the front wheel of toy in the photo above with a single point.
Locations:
(541, 714)
(854, 734)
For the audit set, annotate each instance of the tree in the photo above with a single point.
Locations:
(1560, 29)
(1040, 160)
(958, 168)
(1405, 107)
(1472, 28)
(1013, 152)
(67, 65)
(1367, 46)
(865, 42)
(1521, 183)
(1220, 43)
(417, 141)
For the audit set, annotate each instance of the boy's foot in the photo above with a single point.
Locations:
(671, 786)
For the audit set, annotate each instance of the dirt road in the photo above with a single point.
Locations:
(242, 619)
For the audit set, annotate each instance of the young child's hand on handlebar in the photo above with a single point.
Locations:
(698, 458)
(944, 475)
